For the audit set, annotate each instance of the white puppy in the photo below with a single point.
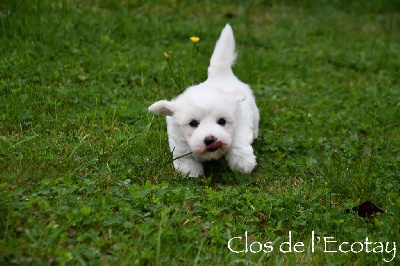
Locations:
(215, 118)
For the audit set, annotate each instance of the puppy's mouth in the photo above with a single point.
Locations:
(214, 146)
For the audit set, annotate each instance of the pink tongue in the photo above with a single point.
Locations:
(214, 145)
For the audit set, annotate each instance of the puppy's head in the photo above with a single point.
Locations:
(206, 118)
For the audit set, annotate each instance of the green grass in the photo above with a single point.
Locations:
(85, 171)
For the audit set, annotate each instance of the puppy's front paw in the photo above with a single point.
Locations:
(242, 160)
(195, 171)
(189, 166)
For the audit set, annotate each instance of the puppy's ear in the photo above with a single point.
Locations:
(162, 108)
(239, 96)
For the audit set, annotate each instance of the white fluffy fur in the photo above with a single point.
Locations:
(222, 95)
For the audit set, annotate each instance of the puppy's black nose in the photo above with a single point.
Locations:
(209, 140)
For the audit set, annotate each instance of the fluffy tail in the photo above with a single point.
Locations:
(224, 55)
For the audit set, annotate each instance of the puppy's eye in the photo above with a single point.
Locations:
(194, 123)
(221, 122)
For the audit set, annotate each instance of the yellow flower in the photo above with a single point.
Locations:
(194, 39)
(166, 55)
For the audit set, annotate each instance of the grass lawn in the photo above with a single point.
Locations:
(86, 175)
